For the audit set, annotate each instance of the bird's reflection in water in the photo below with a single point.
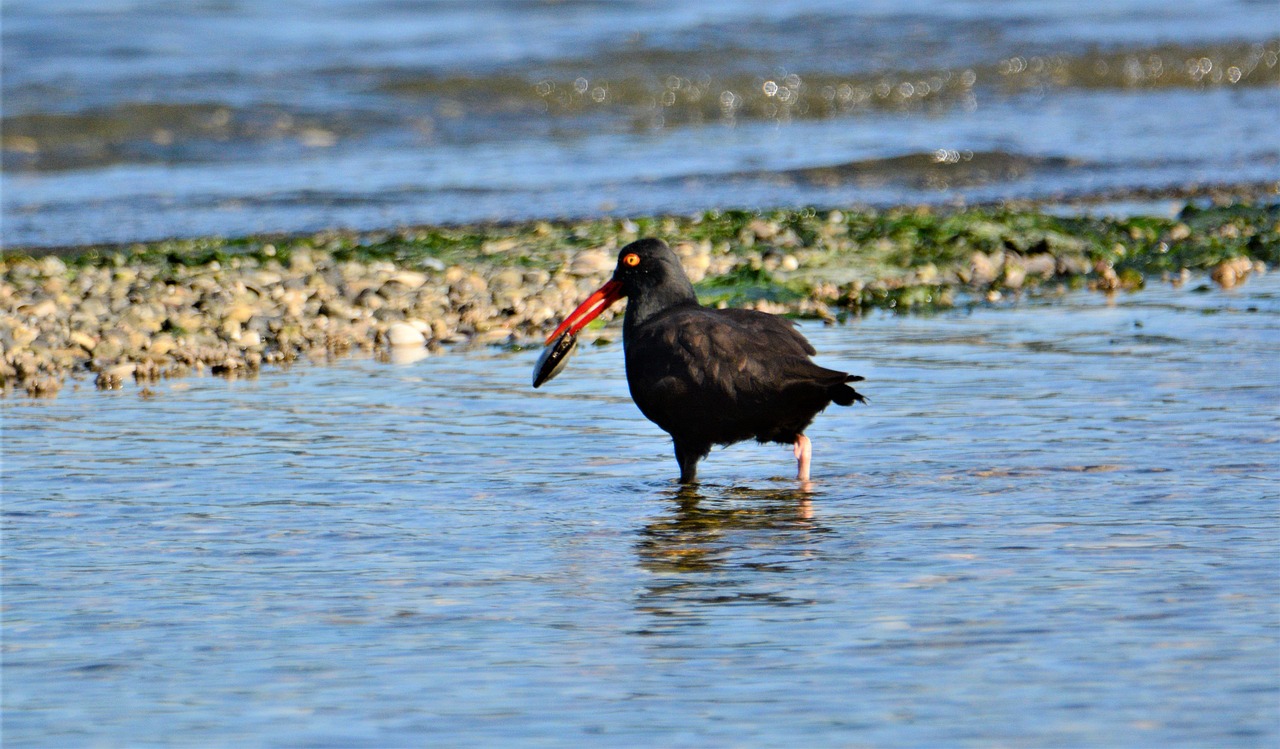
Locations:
(726, 546)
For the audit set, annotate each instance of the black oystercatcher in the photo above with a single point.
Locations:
(707, 376)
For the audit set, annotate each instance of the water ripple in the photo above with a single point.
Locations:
(1051, 525)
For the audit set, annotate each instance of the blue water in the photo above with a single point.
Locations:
(1054, 525)
(126, 120)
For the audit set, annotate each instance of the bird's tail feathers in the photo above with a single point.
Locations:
(843, 395)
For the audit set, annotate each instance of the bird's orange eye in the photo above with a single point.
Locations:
(631, 259)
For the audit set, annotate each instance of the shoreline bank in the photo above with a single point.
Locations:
(158, 310)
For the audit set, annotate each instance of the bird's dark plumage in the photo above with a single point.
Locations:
(710, 376)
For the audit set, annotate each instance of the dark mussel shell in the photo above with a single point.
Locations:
(554, 357)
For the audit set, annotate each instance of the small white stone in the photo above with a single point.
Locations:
(52, 265)
(410, 278)
(404, 334)
(591, 263)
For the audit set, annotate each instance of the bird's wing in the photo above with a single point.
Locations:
(778, 332)
(724, 357)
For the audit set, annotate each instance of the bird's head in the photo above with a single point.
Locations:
(648, 273)
(648, 266)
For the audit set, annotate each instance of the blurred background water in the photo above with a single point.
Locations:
(1054, 525)
(134, 120)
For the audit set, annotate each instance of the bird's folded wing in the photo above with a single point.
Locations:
(744, 356)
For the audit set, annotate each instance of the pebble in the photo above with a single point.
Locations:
(591, 263)
(1229, 273)
(404, 334)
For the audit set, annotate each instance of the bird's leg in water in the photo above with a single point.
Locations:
(803, 450)
(688, 460)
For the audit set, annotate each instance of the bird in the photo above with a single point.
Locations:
(710, 376)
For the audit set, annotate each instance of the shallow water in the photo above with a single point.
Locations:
(1054, 525)
(137, 120)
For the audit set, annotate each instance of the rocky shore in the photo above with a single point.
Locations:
(143, 313)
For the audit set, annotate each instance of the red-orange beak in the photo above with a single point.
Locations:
(589, 309)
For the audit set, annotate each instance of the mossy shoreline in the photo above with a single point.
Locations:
(230, 306)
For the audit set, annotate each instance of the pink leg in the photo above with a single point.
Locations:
(803, 451)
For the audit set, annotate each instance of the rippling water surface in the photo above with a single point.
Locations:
(147, 119)
(1054, 525)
